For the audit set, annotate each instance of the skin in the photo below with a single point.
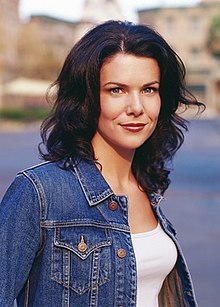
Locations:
(130, 105)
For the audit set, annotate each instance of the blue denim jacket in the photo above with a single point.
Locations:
(65, 241)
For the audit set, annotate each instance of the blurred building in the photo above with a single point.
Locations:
(42, 42)
(36, 48)
(96, 11)
(9, 27)
(59, 34)
(187, 29)
(62, 34)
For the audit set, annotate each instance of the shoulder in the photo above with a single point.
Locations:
(50, 178)
(47, 177)
(47, 172)
(41, 168)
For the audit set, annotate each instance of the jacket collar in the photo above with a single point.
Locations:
(93, 184)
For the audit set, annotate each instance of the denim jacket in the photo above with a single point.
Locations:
(65, 241)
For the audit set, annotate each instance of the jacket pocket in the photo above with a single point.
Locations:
(81, 257)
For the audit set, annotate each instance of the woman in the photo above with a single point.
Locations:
(85, 228)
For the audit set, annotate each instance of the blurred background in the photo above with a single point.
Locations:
(35, 37)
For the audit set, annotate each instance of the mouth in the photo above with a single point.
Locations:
(133, 127)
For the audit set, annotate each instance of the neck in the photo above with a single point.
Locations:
(115, 165)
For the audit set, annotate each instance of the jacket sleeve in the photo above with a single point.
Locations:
(19, 237)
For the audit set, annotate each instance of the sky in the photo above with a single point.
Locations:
(71, 9)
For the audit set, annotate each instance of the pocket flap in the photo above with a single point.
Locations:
(81, 240)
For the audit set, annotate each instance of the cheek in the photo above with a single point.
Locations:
(157, 109)
(153, 110)
(110, 110)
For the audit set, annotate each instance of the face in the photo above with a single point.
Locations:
(129, 101)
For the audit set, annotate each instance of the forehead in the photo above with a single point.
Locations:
(124, 57)
(126, 66)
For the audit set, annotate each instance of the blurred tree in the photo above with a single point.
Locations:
(37, 58)
(214, 36)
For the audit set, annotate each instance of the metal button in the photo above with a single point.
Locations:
(121, 253)
(82, 247)
(113, 205)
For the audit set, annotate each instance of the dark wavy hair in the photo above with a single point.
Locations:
(67, 132)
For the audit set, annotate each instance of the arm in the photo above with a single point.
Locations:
(19, 237)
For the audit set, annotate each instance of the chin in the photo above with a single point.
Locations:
(131, 146)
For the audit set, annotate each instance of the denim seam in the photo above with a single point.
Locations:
(41, 201)
(112, 226)
(94, 281)
(40, 192)
(92, 199)
(57, 243)
(61, 281)
(66, 278)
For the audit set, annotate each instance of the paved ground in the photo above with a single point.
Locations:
(193, 199)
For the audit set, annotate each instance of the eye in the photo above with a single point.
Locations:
(150, 90)
(115, 90)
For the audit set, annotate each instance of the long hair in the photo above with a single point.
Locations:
(69, 129)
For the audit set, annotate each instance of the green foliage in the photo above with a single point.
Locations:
(27, 114)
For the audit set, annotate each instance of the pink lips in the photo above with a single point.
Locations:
(133, 127)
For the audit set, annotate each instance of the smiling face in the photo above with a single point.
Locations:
(129, 101)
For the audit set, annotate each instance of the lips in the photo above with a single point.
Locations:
(133, 127)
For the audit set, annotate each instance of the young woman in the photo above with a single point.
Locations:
(85, 228)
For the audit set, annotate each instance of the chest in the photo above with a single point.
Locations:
(141, 217)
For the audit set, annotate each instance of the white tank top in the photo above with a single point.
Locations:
(156, 255)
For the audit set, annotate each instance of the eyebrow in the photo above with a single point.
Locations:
(123, 85)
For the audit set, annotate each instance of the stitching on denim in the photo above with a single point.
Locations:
(84, 255)
(95, 276)
(85, 223)
(57, 270)
(66, 278)
(91, 198)
(42, 204)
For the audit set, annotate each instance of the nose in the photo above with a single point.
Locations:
(135, 105)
